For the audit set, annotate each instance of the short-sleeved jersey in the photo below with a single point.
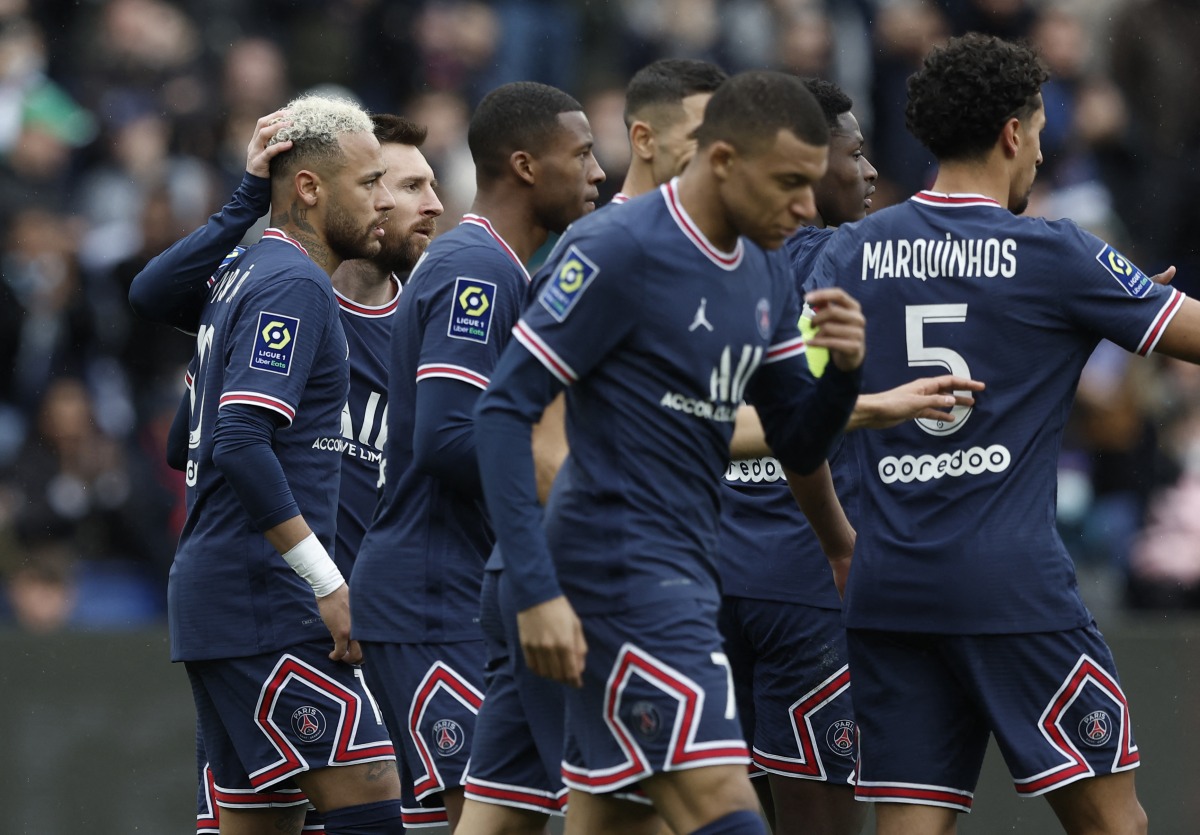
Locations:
(958, 520)
(767, 549)
(420, 569)
(270, 337)
(659, 335)
(364, 420)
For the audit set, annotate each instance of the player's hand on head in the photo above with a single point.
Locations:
(840, 326)
(260, 151)
(552, 640)
(335, 612)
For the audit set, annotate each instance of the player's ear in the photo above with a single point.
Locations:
(308, 186)
(522, 164)
(1010, 137)
(721, 156)
(641, 140)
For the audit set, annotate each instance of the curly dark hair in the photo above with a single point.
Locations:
(966, 90)
(833, 99)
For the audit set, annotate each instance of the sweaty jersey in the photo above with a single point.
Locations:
(958, 520)
(269, 336)
(658, 335)
(767, 550)
(364, 420)
(420, 569)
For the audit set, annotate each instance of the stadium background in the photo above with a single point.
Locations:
(123, 124)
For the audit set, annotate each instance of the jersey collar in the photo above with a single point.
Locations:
(479, 220)
(279, 235)
(724, 260)
(619, 198)
(936, 198)
(371, 311)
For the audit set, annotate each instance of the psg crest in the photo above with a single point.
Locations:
(448, 737)
(646, 720)
(840, 738)
(308, 723)
(1095, 729)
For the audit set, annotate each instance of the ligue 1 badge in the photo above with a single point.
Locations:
(308, 723)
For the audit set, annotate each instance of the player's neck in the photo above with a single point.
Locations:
(363, 282)
(306, 235)
(639, 179)
(700, 199)
(514, 221)
(973, 178)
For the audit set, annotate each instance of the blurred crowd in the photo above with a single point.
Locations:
(123, 124)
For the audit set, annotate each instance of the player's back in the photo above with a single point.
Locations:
(958, 519)
(419, 571)
(269, 337)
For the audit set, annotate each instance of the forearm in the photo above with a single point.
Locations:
(802, 433)
(550, 447)
(749, 440)
(444, 434)
(172, 286)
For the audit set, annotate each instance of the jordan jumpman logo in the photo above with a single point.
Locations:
(701, 319)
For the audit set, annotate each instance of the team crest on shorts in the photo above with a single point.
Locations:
(448, 737)
(840, 738)
(646, 719)
(1095, 729)
(308, 723)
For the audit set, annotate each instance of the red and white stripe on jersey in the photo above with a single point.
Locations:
(484, 223)
(438, 677)
(371, 311)
(188, 380)
(915, 793)
(291, 671)
(787, 349)
(619, 198)
(452, 372)
(1159, 325)
(683, 750)
(1075, 766)
(420, 817)
(935, 198)
(273, 234)
(264, 401)
(809, 765)
(544, 353)
(502, 794)
(724, 260)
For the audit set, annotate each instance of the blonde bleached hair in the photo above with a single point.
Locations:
(317, 122)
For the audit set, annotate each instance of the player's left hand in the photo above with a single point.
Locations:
(260, 152)
(840, 326)
(335, 612)
(552, 640)
(930, 398)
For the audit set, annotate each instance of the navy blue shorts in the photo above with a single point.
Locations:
(657, 696)
(926, 705)
(517, 755)
(431, 694)
(793, 687)
(264, 718)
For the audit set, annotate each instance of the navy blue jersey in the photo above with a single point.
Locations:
(659, 335)
(958, 532)
(364, 420)
(767, 549)
(269, 336)
(420, 569)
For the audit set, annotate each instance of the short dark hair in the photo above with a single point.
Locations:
(398, 130)
(966, 90)
(832, 99)
(749, 109)
(521, 116)
(669, 81)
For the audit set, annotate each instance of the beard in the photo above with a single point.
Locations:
(346, 238)
(400, 254)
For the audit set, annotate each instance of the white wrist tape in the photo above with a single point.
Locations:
(310, 560)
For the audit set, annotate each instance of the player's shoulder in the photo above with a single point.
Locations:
(468, 249)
